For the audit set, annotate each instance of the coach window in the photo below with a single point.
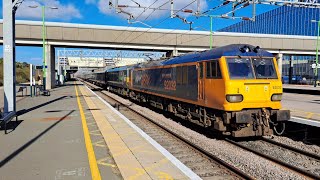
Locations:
(213, 69)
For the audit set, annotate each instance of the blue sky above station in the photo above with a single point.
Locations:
(98, 12)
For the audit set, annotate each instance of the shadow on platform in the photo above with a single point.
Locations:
(58, 88)
(11, 126)
(30, 142)
(23, 111)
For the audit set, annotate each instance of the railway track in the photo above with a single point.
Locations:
(304, 163)
(203, 163)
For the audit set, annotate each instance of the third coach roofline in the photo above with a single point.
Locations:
(169, 31)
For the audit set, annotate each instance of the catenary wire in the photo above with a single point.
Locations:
(216, 8)
(142, 21)
(159, 23)
(129, 25)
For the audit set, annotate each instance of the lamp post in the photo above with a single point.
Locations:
(44, 64)
(317, 51)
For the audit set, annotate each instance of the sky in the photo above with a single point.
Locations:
(99, 12)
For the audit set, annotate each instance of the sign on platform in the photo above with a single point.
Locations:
(41, 67)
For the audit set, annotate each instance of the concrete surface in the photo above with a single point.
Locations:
(48, 142)
(302, 105)
(301, 89)
(304, 87)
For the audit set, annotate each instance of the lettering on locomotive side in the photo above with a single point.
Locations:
(145, 80)
(170, 85)
(276, 87)
(166, 76)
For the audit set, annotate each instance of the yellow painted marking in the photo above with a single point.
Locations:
(101, 162)
(95, 134)
(132, 161)
(98, 144)
(163, 175)
(304, 114)
(155, 165)
(139, 172)
(309, 115)
(127, 163)
(122, 135)
(93, 131)
(126, 151)
(91, 124)
(95, 173)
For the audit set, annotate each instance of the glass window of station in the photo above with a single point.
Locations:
(300, 67)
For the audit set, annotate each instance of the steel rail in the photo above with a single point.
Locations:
(300, 151)
(287, 165)
(196, 147)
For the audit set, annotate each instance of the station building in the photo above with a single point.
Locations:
(286, 21)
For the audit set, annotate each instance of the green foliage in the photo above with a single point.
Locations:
(22, 72)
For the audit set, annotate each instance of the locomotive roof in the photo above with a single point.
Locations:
(229, 50)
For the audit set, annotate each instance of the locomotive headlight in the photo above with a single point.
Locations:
(276, 97)
(234, 98)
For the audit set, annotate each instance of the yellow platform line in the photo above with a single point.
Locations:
(129, 166)
(95, 173)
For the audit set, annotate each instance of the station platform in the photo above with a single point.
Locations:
(74, 134)
(304, 108)
(301, 120)
(301, 89)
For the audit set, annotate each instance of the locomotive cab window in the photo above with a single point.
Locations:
(264, 68)
(251, 68)
(213, 69)
(240, 68)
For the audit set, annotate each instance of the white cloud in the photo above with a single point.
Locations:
(64, 11)
(90, 1)
(103, 6)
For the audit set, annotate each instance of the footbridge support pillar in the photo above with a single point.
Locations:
(279, 60)
(50, 63)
